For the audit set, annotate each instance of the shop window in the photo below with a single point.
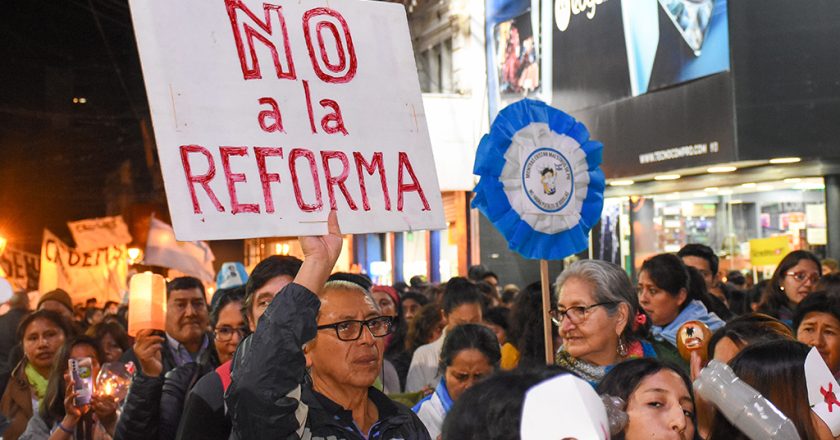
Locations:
(727, 218)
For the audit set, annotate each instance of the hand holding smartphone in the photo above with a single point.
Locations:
(81, 371)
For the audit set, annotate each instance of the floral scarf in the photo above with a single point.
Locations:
(594, 373)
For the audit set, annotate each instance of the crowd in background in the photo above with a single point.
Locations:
(460, 354)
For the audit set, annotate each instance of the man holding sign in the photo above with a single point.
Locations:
(342, 334)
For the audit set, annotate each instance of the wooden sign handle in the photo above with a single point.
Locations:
(546, 301)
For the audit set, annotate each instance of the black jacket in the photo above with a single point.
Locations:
(270, 398)
(8, 337)
(204, 414)
(152, 409)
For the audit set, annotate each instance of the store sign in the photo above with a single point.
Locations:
(100, 274)
(269, 114)
(769, 251)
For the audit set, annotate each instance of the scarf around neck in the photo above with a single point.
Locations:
(37, 383)
(594, 373)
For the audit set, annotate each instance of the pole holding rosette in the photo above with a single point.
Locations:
(541, 186)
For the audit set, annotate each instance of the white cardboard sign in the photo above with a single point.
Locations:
(267, 113)
(94, 233)
(822, 391)
(565, 407)
(101, 273)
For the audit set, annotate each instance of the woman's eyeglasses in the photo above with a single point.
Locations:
(224, 333)
(802, 276)
(576, 314)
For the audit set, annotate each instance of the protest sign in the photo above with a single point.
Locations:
(822, 389)
(99, 274)
(95, 233)
(267, 114)
(20, 269)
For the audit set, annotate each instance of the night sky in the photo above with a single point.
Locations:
(56, 156)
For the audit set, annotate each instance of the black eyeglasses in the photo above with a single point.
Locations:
(352, 329)
(224, 333)
(576, 314)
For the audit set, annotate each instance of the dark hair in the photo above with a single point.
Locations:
(697, 291)
(470, 336)
(420, 329)
(460, 291)
(739, 302)
(492, 408)
(115, 329)
(776, 370)
(623, 379)
(489, 273)
(830, 283)
(749, 329)
(225, 297)
(669, 273)
(52, 406)
(265, 270)
(488, 293)
(418, 281)
(756, 291)
(773, 297)
(701, 251)
(184, 283)
(54, 317)
(90, 311)
(823, 302)
(401, 287)
(509, 294)
(476, 272)
(416, 297)
(526, 325)
(736, 277)
(499, 316)
(109, 304)
(434, 292)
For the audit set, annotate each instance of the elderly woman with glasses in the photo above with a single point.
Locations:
(599, 319)
(794, 279)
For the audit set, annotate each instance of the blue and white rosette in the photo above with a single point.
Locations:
(541, 185)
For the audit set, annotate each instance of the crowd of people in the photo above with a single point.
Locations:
(300, 352)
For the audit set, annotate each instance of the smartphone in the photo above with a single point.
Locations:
(81, 370)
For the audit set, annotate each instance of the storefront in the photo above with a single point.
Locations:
(390, 257)
(718, 120)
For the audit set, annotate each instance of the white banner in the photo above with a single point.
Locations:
(99, 274)
(20, 269)
(268, 113)
(190, 258)
(95, 233)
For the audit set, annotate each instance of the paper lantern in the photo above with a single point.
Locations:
(146, 302)
(693, 336)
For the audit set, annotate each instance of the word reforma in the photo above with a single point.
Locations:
(301, 164)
